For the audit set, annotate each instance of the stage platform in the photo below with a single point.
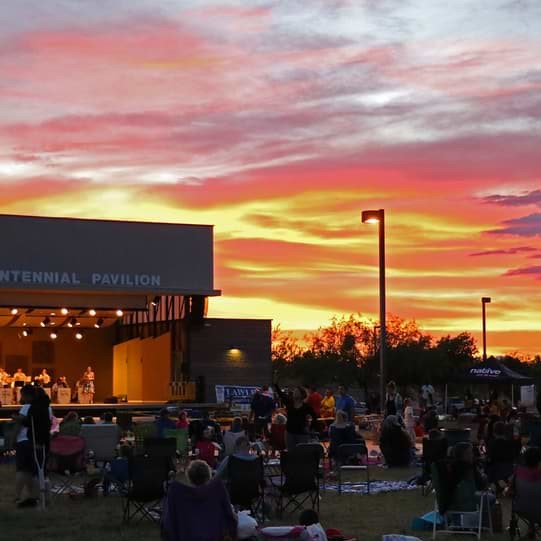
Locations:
(135, 408)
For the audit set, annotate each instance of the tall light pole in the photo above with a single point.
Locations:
(373, 217)
(484, 302)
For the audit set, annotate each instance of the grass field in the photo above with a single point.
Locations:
(99, 519)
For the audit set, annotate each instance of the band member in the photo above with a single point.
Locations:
(19, 375)
(44, 378)
(5, 378)
(88, 380)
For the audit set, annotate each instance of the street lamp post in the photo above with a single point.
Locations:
(371, 217)
(484, 302)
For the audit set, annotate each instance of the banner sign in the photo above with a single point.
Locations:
(486, 372)
(527, 396)
(239, 396)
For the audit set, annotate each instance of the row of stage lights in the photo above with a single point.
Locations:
(73, 322)
(53, 335)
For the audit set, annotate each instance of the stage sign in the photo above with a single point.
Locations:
(64, 254)
(239, 396)
(527, 396)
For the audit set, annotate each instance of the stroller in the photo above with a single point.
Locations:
(526, 505)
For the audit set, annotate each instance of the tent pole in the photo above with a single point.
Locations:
(445, 404)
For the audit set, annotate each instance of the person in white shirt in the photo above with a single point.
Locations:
(427, 394)
(34, 421)
(409, 420)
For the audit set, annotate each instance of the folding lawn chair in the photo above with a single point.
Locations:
(182, 438)
(66, 464)
(146, 488)
(458, 517)
(433, 450)
(348, 458)
(318, 450)
(102, 440)
(246, 484)
(141, 432)
(526, 504)
(299, 481)
(161, 448)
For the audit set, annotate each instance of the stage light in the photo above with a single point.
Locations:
(64, 311)
(78, 335)
(155, 300)
(73, 322)
(119, 313)
(98, 323)
(53, 335)
(92, 312)
(14, 311)
(46, 322)
(26, 332)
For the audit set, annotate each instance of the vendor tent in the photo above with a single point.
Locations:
(491, 372)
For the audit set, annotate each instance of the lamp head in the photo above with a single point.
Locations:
(486, 300)
(371, 216)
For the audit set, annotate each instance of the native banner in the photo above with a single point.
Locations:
(238, 397)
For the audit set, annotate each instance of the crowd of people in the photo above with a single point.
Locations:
(280, 419)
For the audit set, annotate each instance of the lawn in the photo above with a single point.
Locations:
(99, 519)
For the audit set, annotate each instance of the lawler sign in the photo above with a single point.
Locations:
(94, 279)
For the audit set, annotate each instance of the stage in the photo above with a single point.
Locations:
(134, 408)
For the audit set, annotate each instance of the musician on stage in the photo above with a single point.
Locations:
(88, 380)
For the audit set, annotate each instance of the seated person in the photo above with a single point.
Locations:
(164, 422)
(310, 519)
(460, 480)
(501, 454)
(107, 418)
(430, 420)
(526, 489)
(242, 451)
(395, 443)
(200, 510)
(117, 472)
(231, 436)
(208, 422)
(340, 432)
(71, 425)
(207, 449)
(89, 420)
(183, 421)
(277, 437)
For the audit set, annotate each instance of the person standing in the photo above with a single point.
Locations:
(427, 394)
(314, 400)
(88, 381)
(328, 404)
(393, 401)
(409, 420)
(297, 411)
(345, 403)
(34, 420)
(261, 409)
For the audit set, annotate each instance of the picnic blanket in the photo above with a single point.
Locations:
(376, 487)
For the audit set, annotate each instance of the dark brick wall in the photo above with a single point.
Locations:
(231, 352)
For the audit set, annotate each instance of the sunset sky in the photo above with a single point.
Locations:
(278, 121)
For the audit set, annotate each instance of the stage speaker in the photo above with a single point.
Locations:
(111, 400)
(200, 389)
(198, 309)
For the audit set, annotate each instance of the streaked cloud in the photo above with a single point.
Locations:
(278, 122)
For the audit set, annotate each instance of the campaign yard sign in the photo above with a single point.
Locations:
(238, 396)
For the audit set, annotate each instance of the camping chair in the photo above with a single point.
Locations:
(534, 434)
(67, 462)
(183, 441)
(146, 487)
(230, 440)
(433, 451)
(299, 481)
(526, 504)
(458, 517)
(319, 451)
(161, 448)
(345, 454)
(102, 440)
(246, 484)
(277, 439)
(142, 431)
